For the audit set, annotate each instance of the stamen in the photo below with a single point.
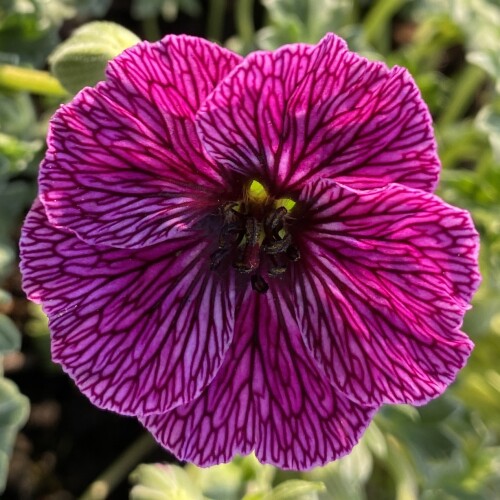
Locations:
(278, 246)
(231, 214)
(278, 267)
(275, 221)
(259, 284)
(292, 252)
(253, 229)
(276, 271)
(231, 233)
(250, 258)
(217, 257)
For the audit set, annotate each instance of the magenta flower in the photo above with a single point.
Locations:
(245, 253)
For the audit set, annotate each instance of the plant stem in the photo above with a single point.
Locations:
(376, 23)
(464, 91)
(151, 29)
(30, 80)
(114, 474)
(355, 12)
(215, 21)
(244, 21)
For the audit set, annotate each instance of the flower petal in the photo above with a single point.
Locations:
(125, 166)
(304, 112)
(381, 290)
(267, 396)
(139, 331)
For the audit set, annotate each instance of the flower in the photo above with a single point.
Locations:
(246, 254)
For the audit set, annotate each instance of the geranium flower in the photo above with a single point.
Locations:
(245, 253)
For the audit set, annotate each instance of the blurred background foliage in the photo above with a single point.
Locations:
(448, 449)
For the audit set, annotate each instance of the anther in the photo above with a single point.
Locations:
(278, 266)
(250, 257)
(278, 246)
(259, 284)
(230, 214)
(275, 220)
(231, 233)
(276, 271)
(293, 253)
(256, 229)
(252, 231)
(217, 257)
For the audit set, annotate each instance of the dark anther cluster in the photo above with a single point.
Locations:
(247, 238)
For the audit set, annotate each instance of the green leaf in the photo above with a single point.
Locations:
(7, 257)
(29, 28)
(5, 299)
(82, 59)
(375, 441)
(17, 114)
(27, 37)
(357, 465)
(295, 489)
(220, 481)
(479, 20)
(13, 414)
(91, 8)
(377, 22)
(163, 482)
(147, 9)
(402, 471)
(302, 21)
(13, 407)
(345, 479)
(190, 7)
(438, 410)
(488, 120)
(489, 60)
(14, 198)
(169, 9)
(10, 337)
(15, 154)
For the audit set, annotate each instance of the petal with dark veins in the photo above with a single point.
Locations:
(381, 290)
(306, 112)
(139, 331)
(125, 166)
(268, 397)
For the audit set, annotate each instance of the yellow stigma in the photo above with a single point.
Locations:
(288, 203)
(257, 192)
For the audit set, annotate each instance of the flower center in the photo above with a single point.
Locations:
(255, 236)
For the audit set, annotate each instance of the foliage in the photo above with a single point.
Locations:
(13, 405)
(243, 478)
(80, 60)
(13, 415)
(29, 28)
(447, 449)
(169, 9)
